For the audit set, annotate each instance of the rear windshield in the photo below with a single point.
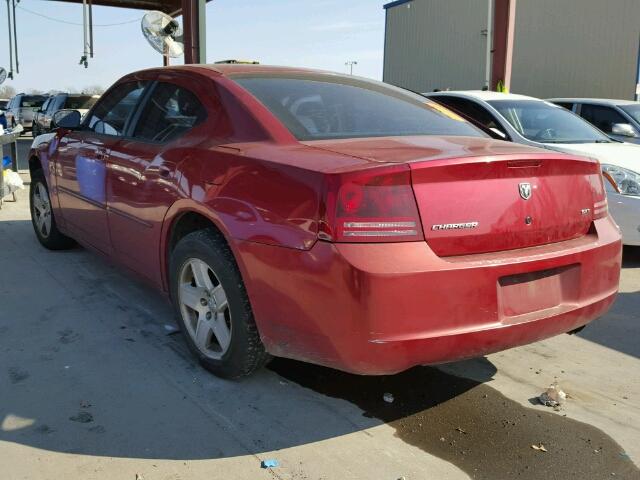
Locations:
(32, 101)
(80, 103)
(316, 107)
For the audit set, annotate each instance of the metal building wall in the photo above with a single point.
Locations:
(436, 44)
(576, 48)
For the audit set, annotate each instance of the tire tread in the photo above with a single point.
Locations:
(254, 356)
(56, 239)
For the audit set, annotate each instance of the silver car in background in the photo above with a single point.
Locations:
(22, 108)
(619, 119)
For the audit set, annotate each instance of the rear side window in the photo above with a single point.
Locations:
(472, 110)
(568, 106)
(110, 115)
(316, 107)
(32, 101)
(84, 102)
(170, 111)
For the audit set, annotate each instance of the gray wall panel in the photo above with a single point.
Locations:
(576, 48)
(436, 44)
(562, 47)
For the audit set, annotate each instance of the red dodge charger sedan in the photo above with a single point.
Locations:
(326, 218)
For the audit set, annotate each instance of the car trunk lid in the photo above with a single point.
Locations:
(478, 195)
(489, 204)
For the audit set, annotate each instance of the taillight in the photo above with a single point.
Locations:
(371, 206)
(600, 209)
(601, 206)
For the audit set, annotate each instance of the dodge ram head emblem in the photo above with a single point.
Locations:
(525, 190)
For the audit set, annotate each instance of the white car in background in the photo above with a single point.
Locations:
(535, 122)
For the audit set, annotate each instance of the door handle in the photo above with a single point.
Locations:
(101, 155)
(161, 170)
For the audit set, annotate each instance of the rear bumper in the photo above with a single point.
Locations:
(383, 308)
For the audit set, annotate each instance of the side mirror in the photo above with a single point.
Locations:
(69, 119)
(623, 129)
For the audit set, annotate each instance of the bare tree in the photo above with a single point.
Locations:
(34, 91)
(93, 90)
(7, 91)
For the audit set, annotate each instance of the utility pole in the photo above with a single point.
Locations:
(489, 32)
(638, 77)
(350, 64)
(13, 38)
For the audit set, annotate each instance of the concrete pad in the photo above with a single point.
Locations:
(92, 387)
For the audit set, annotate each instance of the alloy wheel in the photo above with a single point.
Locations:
(42, 210)
(204, 308)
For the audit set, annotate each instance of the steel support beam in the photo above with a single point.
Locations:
(194, 26)
(637, 96)
(488, 58)
(504, 24)
(511, 32)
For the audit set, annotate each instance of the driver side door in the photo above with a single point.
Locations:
(81, 161)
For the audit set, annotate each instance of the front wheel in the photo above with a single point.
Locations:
(212, 306)
(42, 218)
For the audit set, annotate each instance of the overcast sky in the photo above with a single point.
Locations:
(319, 33)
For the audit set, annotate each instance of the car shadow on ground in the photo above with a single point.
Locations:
(619, 328)
(88, 367)
(631, 257)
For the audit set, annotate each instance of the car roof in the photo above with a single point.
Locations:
(485, 95)
(233, 69)
(599, 101)
(240, 68)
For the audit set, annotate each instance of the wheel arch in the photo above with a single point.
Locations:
(34, 163)
(185, 217)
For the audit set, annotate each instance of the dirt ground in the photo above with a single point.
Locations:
(93, 385)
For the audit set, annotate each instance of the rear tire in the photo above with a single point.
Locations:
(42, 217)
(212, 306)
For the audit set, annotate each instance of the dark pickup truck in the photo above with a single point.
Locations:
(42, 118)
